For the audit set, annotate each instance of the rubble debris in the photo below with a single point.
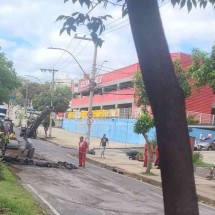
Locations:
(27, 161)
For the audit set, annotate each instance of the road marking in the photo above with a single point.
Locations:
(50, 207)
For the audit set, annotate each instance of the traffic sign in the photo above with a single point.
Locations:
(89, 121)
(90, 114)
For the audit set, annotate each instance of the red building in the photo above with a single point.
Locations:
(114, 90)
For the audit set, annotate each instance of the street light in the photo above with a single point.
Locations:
(92, 83)
(101, 65)
(72, 57)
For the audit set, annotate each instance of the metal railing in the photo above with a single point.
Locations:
(202, 118)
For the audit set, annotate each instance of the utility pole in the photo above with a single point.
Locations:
(92, 88)
(26, 97)
(51, 102)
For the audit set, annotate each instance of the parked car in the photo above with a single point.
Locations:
(206, 144)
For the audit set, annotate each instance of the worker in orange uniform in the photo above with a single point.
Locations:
(82, 151)
(146, 154)
(157, 157)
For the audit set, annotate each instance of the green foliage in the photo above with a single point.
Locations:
(191, 120)
(183, 78)
(33, 89)
(149, 174)
(132, 152)
(14, 199)
(8, 78)
(140, 95)
(42, 100)
(153, 142)
(1, 172)
(197, 156)
(61, 98)
(96, 24)
(197, 159)
(140, 152)
(143, 123)
(203, 68)
(191, 3)
(91, 152)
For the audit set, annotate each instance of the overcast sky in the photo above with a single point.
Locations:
(28, 27)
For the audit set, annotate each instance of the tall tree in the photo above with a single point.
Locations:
(203, 67)
(61, 98)
(165, 94)
(8, 78)
(141, 96)
(31, 88)
(142, 126)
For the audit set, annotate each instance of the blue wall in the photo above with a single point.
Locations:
(195, 132)
(120, 130)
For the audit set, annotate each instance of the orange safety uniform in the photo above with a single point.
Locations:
(146, 154)
(82, 153)
(157, 156)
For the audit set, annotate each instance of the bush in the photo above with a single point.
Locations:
(140, 152)
(132, 153)
(91, 151)
(1, 172)
(198, 160)
(191, 120)
(197, 157)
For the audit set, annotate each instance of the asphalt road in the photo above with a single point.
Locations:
(93, 191)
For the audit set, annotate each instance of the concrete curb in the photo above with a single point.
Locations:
(145, 179)
(138, 177)
(97, 148)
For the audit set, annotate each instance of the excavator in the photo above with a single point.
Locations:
(7, 134)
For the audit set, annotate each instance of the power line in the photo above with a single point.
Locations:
(116, 29)
(117, 24)
(123, 22)
(63, 53)
(83, 48)
(113, 21)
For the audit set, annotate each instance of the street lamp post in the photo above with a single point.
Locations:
(51, 96)
(92, 84)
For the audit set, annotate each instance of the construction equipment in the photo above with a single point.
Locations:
(7, 136)
(29, 131)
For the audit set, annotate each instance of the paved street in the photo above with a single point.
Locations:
(90, 191)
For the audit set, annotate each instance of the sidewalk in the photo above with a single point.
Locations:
(117, 160)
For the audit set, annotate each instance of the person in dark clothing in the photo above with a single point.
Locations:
(46, 124)
(103, 144)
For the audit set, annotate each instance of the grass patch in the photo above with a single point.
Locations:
(14, 199)
(149, 174)
(200, 163)
(197, 159)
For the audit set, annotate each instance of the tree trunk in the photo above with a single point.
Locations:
(168, 106)
(149, 148)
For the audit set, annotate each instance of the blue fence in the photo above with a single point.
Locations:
(120, 130)
(195, 132)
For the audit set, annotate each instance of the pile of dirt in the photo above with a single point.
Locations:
(39, 163)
